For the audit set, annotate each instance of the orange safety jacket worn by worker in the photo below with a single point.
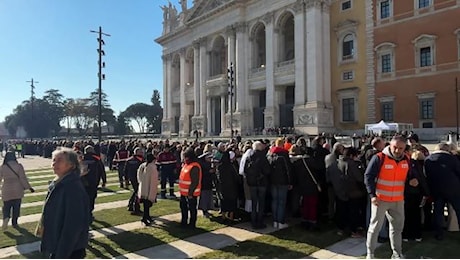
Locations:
(185, 180)
(391, 179)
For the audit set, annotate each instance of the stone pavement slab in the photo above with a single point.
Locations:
(203, 243)
(97, 207)
(34, 162)
(34, 246)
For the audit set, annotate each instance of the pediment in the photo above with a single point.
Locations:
(204, 7)
(346, 24)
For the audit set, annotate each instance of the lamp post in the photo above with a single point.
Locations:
(231, 87)
(456, 105)
(32, 97)
(101, 77)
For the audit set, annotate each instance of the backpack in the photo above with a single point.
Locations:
(362, 156)
(254, 176)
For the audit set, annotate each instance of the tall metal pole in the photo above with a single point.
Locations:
(100, 78)
(32, 97)
(99, 101)
(456, 105)
(230, 93)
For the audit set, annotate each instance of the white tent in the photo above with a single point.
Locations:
(382, 126)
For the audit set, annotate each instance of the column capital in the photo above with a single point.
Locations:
(230, 31)
(268, 18)
(182, 51)
(241, 27)
(166, 56)
(299, 6)
(196, 44)
(203, 41)
(313, 4)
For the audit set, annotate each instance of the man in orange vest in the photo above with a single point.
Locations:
(385, 179)
(189, 187)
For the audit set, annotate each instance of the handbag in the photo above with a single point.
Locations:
(17, 175)
(311, 175)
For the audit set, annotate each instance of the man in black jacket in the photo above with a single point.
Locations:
(257, 173)
(131, 166)
(443, 177)
(93, 172)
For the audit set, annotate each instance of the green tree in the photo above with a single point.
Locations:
(140, 113)
(121, 125)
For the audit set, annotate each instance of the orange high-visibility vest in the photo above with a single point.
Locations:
(185, 180)
(391, 179)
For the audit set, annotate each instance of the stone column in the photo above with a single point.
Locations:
(183, 118)
(222, 114)
(271, 112)
(300, 47)
(208, 113)
(316, 117)
(204, 73)
(196, 78)
(243, 102)
(231, 59)
(165, 125)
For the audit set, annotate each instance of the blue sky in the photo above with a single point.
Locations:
(50, 41)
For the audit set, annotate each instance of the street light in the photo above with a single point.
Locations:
(231, 87)
(456, 107)
(101, 77)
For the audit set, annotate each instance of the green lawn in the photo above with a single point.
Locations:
(292, 242)
(131, 241)
(105, 218)
(428, 248)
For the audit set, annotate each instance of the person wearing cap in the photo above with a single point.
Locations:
(190, 188)
(229, 184)
(208, 172)
(413, 141)
(131, 167)
(94, 171)
(167, 165)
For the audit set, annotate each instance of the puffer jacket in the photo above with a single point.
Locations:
(281, 166)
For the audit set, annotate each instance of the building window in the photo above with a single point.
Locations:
(348, 50)
(385, 9)
(347, 75)
(425, 57)
(425, 51)
(346, 5)
(424, 3)
(387, 111)
(386, 63)
(348, 110)
(427, 109)
(386, 59)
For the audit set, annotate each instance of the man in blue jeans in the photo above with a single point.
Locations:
(257, 171)
(280, 180)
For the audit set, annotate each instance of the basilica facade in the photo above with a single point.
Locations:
(279, 52)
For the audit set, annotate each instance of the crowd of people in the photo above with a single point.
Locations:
(380, 191)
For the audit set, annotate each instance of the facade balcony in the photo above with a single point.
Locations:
(216, 80)
(285, 72)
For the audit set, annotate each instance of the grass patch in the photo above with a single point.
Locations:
(292, 242)
(428, 248)
(30, 199)
(114, 217)
(130, 241)
(40, 169)
(111, 198)
(105, 218)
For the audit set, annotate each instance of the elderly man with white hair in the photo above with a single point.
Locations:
(443, 177)
(257, 170)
